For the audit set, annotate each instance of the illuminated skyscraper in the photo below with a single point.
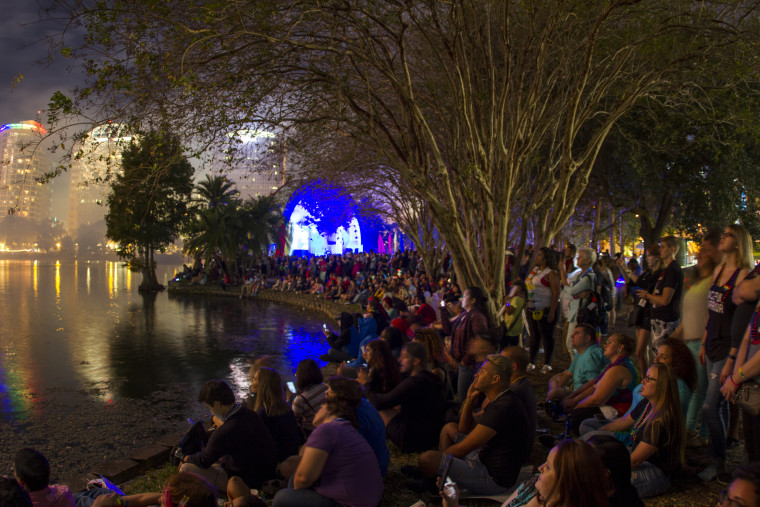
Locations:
(93, 162)
(259, 172)
(22, 160)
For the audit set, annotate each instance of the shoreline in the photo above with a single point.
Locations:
(83, 435)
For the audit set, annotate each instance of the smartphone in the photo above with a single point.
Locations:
(324, 326)
(291, 387)
(444, 479)
(443, 303)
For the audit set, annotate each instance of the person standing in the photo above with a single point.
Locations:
(691, 330)
(666, 296)
(463, 329)
(642, 319)
(574, 286)
(543, 298)
(716, 351)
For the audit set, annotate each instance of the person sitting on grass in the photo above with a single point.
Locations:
(277, 415)
(657, 430)
(588, 363)
(183, 489)
(33, 473)
(240, 445)
(310, 394)
(616, 460)
(610, 393)
(487, 456)
(336, 464)
(415, 426)
(12, 494)
(572, 476)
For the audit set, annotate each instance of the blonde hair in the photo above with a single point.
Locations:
(745, 255)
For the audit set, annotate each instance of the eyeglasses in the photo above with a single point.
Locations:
(727, 235)
(648, 379)
(723, 497)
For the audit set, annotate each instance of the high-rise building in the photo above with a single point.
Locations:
(94, 160)
(259, 171)
(22, 161)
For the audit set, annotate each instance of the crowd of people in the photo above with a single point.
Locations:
(430, 368)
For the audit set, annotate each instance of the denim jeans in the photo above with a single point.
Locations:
(470, 474)
(697, 401)
(649, 480)
(592, 424)
(86, 498)
(716, 410)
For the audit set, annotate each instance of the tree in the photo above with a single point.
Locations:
(491, 112)
(222, 224)
(149, 201)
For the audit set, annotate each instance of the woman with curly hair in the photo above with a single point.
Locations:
(381, 374)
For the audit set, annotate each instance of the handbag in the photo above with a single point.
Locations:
(748, 397)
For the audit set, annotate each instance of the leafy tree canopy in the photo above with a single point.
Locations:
(149, 201)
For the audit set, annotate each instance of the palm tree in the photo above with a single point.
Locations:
(262, 223)
(216, 191)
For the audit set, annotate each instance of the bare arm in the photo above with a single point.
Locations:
(619, 424)
(310, 467)
(641, 453)
(605, 388)
(747, 290)
(579, 394)
(476, 438)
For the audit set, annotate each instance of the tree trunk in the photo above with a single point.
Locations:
(149, 280)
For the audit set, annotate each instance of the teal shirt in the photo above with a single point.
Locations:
(588, 366)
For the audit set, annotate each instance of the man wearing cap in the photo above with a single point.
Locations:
(488, 455)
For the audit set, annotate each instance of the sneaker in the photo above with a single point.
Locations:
(530, 367)
(708, 474)
(546, 369)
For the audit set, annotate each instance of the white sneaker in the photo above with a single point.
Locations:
(530, 367)
(708, 474)
(546, 369)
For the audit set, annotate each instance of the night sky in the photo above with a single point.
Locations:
(22, 48)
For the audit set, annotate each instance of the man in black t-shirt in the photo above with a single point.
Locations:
(666, 296)
(487, 460)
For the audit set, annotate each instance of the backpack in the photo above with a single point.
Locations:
(591, 312)
(191, 442)
(605, 291)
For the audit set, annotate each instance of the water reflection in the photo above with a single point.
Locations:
(60, 335)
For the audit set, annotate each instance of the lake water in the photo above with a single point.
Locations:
(83, 329)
